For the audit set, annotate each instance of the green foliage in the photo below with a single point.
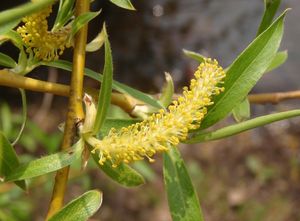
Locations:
(65, 12)
(242, 111)
(45, 164)
(81, 208)
(106, 87)
(245, 71)
(123, 4)
(82, 20)
(122, 88)
(8, 160)
(183, 200)
(11, 16)
(240, 127)
(259, 57)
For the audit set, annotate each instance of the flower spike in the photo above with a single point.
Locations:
(45, 45)
(164, 129)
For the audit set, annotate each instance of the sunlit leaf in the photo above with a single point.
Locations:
(8, 160)
(123, 4)
(106, 86)
(271, 7)
(46, 164)
(242, 111)
(182, 198)
(241, 127)
(64, 13)
(7, 61)
(278, 60)
(81, 208)
(245, 71)
(194, 55)
(82, 20)
(15, 14)
(167, 91)
(66, 65)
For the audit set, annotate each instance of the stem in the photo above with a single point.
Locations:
(10, 79)
(273, 98)
(75, 111)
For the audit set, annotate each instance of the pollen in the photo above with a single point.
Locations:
(44, 44)
(162, 130)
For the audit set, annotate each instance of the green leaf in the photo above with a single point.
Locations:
(196, 56)
(122, 88)
(245, 71)
(64, 13)
(81, 208)
(96, 43)
(277, 61)
(271, 7)
(8, 160)
(242, 111)
(182, 198)
(167, 92)
(12, 36)
(82, 20)
(24, 113)
(241, 127)
(46, 164)
(123, 4)
(7, 61)
(15, 14)
(106, 87)
(9, 26)
(123, 174)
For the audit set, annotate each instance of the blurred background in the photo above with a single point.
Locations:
(254, 176)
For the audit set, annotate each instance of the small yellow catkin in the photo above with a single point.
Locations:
(166, 128)
(45, 45)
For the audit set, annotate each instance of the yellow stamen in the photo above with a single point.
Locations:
(165, 128)
(45, 45)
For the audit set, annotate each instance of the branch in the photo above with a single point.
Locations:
(75, 111)
(10, 79)
(273, 98)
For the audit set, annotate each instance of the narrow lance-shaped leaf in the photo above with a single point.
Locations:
(123, 4)
(168, 90)
(182, 198)
(241, 127)
(64, 13)
(271, 7)
(196, 56)
(96, 43)
(7, 61)
(17, 13)
(8, 160)
(278, 60)
(122, 88)
(123, 174)
(82, 20)
(106, 86)
(245, 71)
(81, 208)
(46, 164)
(242, 111)
(9, 26)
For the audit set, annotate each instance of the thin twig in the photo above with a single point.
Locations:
(10, 79)
(75, 111)
(273, 98)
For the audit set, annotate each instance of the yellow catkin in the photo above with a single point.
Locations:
(166, 128)
(45, 45)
